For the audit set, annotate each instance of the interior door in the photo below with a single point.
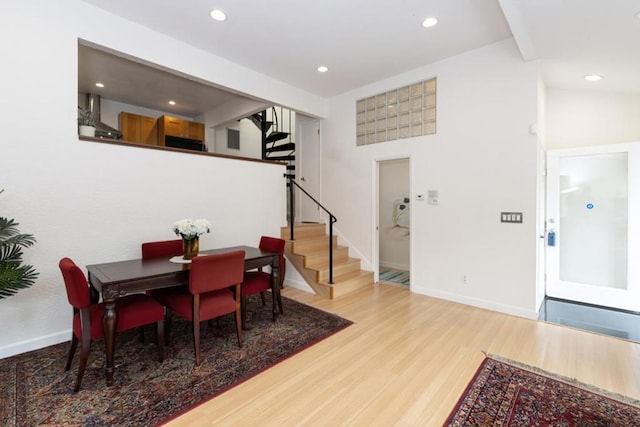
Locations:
(592, 212)
(308, 151)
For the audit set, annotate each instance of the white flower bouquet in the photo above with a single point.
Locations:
(189, 229)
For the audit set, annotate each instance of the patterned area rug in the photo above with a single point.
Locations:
(394, 276)
(506, 393)
(35, 390)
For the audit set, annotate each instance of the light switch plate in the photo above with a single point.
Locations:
(512, 217)
(433, 197)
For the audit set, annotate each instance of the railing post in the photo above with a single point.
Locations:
(330, 249)
(263, 129)
(332, 219)
(291, 210)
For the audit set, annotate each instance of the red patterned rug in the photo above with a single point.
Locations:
(506, 393)
(35, 390)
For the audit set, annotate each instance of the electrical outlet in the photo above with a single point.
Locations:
(465, 279)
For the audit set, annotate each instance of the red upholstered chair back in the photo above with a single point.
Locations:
(212, 272)
(162, 249)
(76, 284)
(273, 244)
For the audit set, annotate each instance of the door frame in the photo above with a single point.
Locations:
(375, 209)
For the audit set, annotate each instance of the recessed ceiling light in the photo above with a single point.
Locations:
(218, 15)
(172, 102)
(593, 77)
(100, 84)
(322, 69)
(429, 22)
(637, 15)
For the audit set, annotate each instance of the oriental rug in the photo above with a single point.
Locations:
(506, 393)
(35, 390)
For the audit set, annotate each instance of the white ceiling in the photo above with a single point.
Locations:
(363, 41)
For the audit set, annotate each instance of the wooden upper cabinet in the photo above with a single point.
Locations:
(139, 129)
(173, 126)
(195, 131)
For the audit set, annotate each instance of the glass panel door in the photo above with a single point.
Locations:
(588, 226)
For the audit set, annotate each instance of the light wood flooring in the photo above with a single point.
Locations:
(405, 362)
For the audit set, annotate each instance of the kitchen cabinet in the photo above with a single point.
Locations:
(173, 126)
(139, 129)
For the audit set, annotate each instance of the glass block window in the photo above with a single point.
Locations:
(399, 113)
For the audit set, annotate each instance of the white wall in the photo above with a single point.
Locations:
(250, 139)
(483, 160)
(97, 202)
(584, 118)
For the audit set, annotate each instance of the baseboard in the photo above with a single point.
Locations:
(34, 344)
(477, 302)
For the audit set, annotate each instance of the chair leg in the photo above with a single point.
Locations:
(141, 333)
(196, 340)
(160, 339)
(84, 356)
(72, 351)
(239, 325)
(195, 316)
(264, 301)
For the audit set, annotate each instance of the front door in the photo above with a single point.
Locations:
(592, 218)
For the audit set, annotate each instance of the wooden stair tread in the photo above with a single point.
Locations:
(307, 251)
(309, 254)
(303, 246)
(342, 278)
(336, 264)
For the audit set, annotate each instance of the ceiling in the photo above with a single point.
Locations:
(363, 41)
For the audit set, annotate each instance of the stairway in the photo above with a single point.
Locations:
(309, 254)
(276, 144)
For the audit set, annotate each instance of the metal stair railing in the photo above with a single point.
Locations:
(332, 220)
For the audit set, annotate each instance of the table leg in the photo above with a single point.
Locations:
(275, 288)
(109, 322)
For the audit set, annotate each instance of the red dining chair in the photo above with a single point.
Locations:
(214, 290)
(161, 249)
(133, 311)
(260, 281)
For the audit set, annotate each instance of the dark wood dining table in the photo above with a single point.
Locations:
(114, 279)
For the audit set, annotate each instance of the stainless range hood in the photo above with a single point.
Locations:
(102, 130)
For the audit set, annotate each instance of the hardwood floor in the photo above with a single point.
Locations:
(406, 360)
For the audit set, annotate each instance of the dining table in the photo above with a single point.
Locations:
(114, 279)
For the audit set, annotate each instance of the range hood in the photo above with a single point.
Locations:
(102, 130)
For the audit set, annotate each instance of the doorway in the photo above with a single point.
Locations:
(394, 222)
(592, 223)
(308, 167)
